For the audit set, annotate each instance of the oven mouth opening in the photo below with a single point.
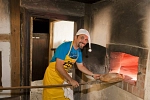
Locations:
(125, 64)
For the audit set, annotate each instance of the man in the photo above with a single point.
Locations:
(65, 56)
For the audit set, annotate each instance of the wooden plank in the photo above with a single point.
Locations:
(15, 43)
(4, 37)
(0, 68)
(51, 40)
(25, 53)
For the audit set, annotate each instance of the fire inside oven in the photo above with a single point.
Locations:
(125, 64)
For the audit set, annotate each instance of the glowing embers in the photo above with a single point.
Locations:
(125, 64)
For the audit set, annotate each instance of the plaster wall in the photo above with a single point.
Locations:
(5, 47)
(101, 24)
(6, 70)
(146, 29)
(4, 17)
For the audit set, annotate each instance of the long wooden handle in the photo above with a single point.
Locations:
(46, 86)
(55, 86)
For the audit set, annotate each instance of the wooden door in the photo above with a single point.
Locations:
(39, 55)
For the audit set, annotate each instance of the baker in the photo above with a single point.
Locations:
(65, 56)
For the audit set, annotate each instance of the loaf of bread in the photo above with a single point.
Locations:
(111, 77)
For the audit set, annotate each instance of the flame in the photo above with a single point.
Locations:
(125, 64)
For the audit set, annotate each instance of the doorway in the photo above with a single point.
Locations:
(40, 43)
(63, 31)
(60, 31)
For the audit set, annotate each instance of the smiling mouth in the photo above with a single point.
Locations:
(82, 43)
(80, 46)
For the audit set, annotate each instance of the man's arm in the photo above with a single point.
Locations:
(61, 70)
(83, 69)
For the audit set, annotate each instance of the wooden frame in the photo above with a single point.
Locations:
(26, 15)
(15, 44)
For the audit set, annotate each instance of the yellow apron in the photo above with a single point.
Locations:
(52, 77)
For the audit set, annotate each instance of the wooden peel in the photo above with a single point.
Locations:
(104, 79)
(47, 86)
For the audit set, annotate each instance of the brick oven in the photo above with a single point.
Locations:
(131, 61)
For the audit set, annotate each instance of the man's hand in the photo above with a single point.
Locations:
(73, 83)
(96, 76)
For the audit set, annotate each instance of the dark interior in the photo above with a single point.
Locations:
(40, 25)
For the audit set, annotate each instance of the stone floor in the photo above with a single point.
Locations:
(36, 93)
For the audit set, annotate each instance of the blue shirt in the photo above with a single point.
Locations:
(63, 50)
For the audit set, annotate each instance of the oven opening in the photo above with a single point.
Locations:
(125, 64)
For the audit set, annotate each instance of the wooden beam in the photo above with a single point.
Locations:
(4, 37)
(15, 43)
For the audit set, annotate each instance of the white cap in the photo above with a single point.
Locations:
(84, 31)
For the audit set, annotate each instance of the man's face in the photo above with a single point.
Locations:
(82, 40)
